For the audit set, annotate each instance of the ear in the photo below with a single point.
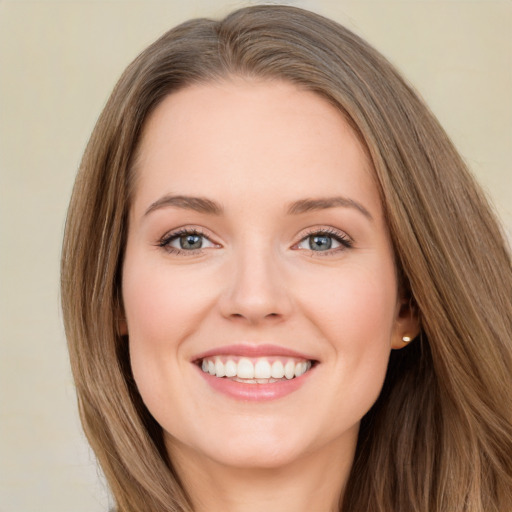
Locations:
(407, 323)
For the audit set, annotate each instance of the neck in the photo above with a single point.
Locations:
(315, 482)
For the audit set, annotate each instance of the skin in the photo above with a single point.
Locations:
(254, 148)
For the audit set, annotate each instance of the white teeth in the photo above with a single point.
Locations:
(230, 368)
(262, 369)
(302, 368)
(245, 369)
(264, 381)
(259, 371)
(289, 370)
(220, 371)
(277, 371)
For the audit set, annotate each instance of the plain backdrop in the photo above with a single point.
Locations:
(58, 63)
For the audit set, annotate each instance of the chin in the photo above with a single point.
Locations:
(258, 455)
(244, 448)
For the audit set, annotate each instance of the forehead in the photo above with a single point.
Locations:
(249, 136)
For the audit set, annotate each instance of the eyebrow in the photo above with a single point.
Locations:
(308, 205)
(203, 205)
(198, 204)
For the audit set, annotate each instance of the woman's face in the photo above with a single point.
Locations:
(257, 249)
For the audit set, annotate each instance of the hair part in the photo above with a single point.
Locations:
(439, 437)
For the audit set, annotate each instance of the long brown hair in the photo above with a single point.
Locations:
(439, 438)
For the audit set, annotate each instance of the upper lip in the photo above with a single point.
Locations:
(250, 350)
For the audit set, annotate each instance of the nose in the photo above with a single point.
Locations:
(255, 289)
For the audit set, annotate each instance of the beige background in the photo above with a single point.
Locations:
(58, 63)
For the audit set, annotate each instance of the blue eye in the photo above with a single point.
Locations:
(324, 241)
(185, 241)
(188, 242)
(321, 242)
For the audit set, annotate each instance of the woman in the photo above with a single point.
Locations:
(282, 290)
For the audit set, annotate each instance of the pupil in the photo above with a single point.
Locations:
(320, 242)
(191, 241)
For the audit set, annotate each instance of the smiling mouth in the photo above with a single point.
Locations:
(261, 370)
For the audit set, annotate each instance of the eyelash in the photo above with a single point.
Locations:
(339, 236)
(342, 238)
(165, 241)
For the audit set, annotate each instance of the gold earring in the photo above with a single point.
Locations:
(406, 339)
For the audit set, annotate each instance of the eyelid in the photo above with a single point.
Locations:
(346, 241)
(173, 234)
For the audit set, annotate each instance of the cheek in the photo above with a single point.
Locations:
(356, 315)
(161, 309)
(152, 303)
(160, 306)
(356, 305)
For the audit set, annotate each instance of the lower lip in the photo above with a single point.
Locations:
(255, 392)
